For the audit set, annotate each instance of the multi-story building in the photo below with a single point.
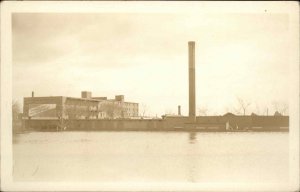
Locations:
(86, 107)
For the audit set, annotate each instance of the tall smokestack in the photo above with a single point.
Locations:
(192, 83)
(179, 110)
(32, 94)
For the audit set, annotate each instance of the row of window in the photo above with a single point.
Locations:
(95, 108)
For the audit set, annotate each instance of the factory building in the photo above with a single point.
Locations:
(89, 107)
(117, 108)
(86, 107)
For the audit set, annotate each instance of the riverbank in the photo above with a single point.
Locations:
(175, 124)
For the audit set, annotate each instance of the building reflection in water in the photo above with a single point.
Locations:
(192, 137)
(192, 159)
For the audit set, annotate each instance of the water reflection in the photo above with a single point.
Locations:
(151, 157)
(191, 158)
(192, 137)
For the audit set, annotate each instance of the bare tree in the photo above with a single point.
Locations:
(16, 109)
(242, 106)
(257, 109)
(266, 111)
(280, 107)
(275, 105)
(144, 109)
(238, 111)
(169, 112)
(284, 110)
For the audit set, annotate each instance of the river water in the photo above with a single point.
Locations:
(151, 157)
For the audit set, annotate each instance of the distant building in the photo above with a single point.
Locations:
(86, 107)
(229, 114)
(117, 108)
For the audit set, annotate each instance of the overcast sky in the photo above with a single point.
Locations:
(145, 57)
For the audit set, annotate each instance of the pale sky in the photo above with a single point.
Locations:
(144, 56)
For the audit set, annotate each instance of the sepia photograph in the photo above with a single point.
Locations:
(149, 96)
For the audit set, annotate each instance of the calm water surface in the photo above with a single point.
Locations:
(151, 157)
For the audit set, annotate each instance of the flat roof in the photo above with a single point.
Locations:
(84, 99)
